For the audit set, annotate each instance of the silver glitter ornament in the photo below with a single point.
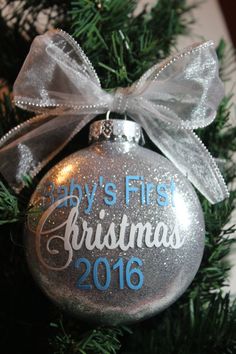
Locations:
(116, 232)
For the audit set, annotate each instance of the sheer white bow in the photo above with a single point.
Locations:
(171, 99)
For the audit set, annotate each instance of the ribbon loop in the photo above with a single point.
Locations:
(168, 101)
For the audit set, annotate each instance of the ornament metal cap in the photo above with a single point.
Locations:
(116, 130)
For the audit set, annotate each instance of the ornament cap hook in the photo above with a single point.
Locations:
(119, 130)
(109, 112)
(108, 115)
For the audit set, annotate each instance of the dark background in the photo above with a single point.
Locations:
(229, 10)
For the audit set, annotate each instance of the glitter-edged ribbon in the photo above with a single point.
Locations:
(171, 99)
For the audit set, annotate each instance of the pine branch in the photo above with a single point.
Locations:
(100, 340)
(195, 327)
(121, 48)
(9, 210)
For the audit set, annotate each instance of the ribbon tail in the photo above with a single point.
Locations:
(30, 146)
(189, 155)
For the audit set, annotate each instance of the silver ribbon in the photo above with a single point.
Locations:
(171, 99)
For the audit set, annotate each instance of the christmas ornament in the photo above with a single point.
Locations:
(116, 231)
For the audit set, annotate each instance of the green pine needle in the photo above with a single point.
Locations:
(9, 210)
(121, 48)
(102, 340)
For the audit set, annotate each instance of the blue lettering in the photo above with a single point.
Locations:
(110, 191)
(162, 198)
(62, 192)
(75, 189)
(129, 188)
(90, 197)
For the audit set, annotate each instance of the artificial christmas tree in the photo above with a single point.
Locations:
(121, 47)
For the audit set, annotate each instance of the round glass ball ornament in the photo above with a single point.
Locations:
(115, 232)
